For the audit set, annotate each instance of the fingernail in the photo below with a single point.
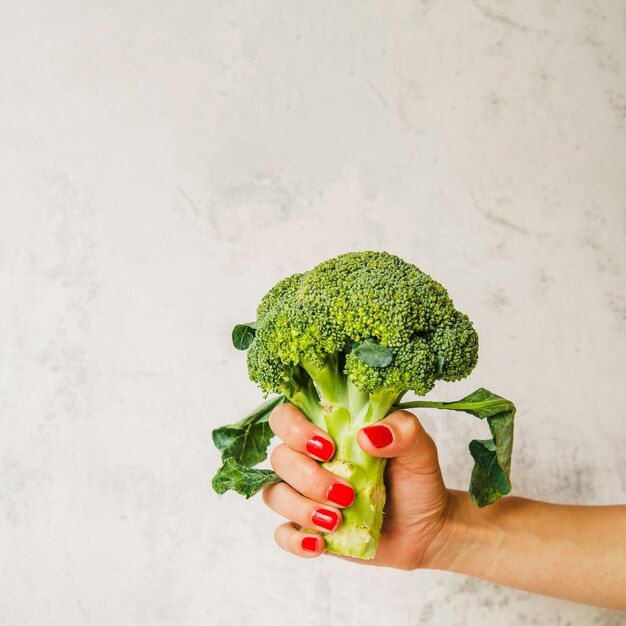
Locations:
(319, 447)
(325, 518)
(309, 544)
(380, 435)
(340, 494)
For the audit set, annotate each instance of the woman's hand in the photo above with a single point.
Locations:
(418, 503)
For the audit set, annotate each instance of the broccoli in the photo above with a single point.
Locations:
(344, 342)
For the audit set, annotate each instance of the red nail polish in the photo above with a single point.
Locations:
(319, 447)
(309, 544)
(380, 435)
(325, 518)
(340, 494)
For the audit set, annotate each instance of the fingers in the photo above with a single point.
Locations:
(286, 501)
(400, 435)
(307, 545)
(290, 424)
(310, 479)
(291, 463)
(310, 496)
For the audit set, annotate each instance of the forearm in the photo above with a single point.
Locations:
(573, 552)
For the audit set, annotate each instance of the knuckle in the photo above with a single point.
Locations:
(405, 417)
(296, 432)
(285, 423)
(312, 480)
(410, 428)
(429, 443)
(277, 416)
(277, 534)
(276, 456)
(268, 494)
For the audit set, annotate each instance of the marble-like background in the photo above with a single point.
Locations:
(163, 163)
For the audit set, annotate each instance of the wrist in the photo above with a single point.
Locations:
(454, 535)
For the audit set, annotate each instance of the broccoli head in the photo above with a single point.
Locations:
(315, 320)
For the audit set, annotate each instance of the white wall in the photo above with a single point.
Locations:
(163, 163)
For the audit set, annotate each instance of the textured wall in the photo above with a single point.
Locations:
(163, 163)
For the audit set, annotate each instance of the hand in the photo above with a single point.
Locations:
(418, 503)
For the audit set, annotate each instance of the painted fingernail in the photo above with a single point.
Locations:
(325, 519)
(319, 447)
(380, 435)
(340, 494)
(309, 544)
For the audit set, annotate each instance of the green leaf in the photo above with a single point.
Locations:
(488, 482)
(243, 445)
(373, 353)
(243, 335)
(246, 481)
(484, 403)
(492, 457)
(247, 440)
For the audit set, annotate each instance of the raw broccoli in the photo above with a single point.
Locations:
(344, 342)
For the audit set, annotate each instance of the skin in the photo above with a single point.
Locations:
(572, 552)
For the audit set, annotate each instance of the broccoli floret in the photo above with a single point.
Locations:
(344, 342)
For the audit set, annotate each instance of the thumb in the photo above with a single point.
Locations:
(401, 436)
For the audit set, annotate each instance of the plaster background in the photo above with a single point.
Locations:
(162, 164)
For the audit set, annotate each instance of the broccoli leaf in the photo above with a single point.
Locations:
(492, 457)
(242, 446)
(488, 481)
(247, 440)
(243, 335)
(490, 476)
(373, 353)
(246, 481)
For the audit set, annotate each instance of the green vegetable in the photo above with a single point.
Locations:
(344, 342)
(244, 480)
(246, 441)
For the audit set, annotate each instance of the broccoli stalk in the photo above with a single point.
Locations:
(341, 409)
(344, 342)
